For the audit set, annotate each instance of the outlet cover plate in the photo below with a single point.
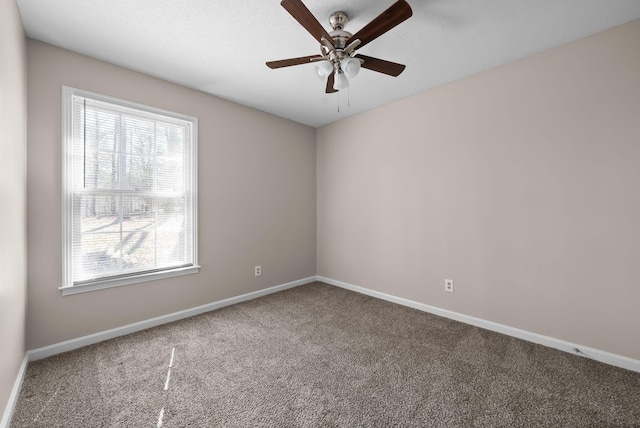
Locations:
(448, 285)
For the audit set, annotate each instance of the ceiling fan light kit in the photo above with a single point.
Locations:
(338, 61)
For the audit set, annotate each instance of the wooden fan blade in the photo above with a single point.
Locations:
(292, 61)
(299, 11)
(397, 13)
(330, 81)
(381, 65)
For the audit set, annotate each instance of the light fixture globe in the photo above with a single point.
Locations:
(341, 81)
(324, 68)
(350, 67)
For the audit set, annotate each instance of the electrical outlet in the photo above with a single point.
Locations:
(448, 285)
(258, 270)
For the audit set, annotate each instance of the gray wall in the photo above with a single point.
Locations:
(13, 186)
(520, 183)
(257, 202)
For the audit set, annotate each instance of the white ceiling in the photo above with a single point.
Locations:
(221, 46)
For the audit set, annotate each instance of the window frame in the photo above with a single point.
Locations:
(68, 288)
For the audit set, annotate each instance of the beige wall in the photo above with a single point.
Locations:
(13, 143)
(256, 200)
(521, 183)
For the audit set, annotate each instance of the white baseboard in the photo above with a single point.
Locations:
(584, 351)
(13, 398)
(69, 345)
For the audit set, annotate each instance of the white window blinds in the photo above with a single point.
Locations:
(130, 200)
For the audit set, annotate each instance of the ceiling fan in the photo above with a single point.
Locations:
(338, 60)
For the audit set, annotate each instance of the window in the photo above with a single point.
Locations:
(129, 193)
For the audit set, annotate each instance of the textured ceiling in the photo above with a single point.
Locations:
(221, 46)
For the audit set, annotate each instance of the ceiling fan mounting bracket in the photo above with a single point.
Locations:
(338, 20)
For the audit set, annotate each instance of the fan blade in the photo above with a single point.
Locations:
(397, 13)
(292, 61)
(381, 65)
(330, 82)
(299, 11)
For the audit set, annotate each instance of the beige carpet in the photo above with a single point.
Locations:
(321, 356)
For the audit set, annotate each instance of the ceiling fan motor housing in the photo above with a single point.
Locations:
(339, 37)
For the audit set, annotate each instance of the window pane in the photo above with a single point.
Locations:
(96, 237)
(101, 170)
(139, 172)
(169, 139)
(138, 233)
(171, 231)
(100, 256)
(169, 174)
(102, 129)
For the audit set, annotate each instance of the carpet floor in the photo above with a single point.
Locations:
(321, 356)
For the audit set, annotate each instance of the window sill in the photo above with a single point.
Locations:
(119, 282)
